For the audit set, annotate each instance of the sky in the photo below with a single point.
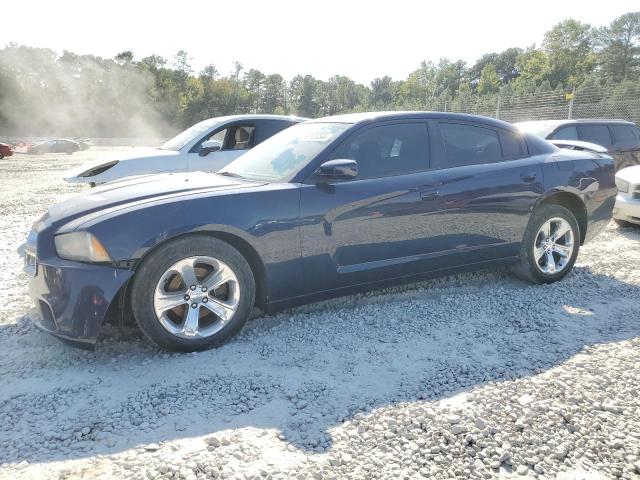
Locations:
(359, 39)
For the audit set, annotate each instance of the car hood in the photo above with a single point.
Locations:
(140, 189)
(630, 174)
(135, 154)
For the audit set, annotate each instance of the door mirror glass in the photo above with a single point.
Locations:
(209, 146)
(340, 169)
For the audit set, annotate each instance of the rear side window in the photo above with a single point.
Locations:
(598, 134)
(269, 128)
(513, 145)
(566, 133)
(625, 135)
(469, 145)
(388, 150)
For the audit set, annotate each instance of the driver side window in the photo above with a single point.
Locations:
(236, 137)
(240, 137)
(388, 150)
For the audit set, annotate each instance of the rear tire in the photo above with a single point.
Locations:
(546, 256)
(174, 294)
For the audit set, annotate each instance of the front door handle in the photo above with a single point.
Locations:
(427, 196)
(529, 177)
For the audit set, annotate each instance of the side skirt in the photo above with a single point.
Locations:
(276, 306)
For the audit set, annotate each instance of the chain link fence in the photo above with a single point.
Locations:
(591, 102)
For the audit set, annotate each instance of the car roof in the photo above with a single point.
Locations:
(257, 116)
(556, 123)
(367, 117)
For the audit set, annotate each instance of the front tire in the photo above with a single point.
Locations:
(193, 293)
(550, 245)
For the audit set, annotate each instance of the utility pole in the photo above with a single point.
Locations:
(570, 97)
(498, 105)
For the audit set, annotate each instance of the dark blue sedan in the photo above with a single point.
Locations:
(324, 208)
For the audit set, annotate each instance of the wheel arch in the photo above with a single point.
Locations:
(571, 202)
(240, 244)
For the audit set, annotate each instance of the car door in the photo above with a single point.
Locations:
(236, 138)
(486, 184)
(375, 226)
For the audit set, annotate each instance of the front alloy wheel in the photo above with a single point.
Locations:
(196, 297)
(192, 293)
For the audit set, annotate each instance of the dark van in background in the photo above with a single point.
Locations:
(619, 137)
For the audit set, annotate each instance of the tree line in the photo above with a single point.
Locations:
(44, 93)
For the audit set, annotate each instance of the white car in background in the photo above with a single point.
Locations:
(627, 208)
(206, 146)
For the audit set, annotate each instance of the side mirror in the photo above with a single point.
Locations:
(208, 147)
(341, 169)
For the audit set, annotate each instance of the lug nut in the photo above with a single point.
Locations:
(205, 300)
(204, 289)
(187, 297)
(192, 287)
(194, 305)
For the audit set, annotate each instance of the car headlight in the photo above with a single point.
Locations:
(622, 185)
(98, 170)
(81, 246)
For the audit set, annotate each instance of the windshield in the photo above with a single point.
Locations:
(537, 128)
(286, 153)
(180, 140)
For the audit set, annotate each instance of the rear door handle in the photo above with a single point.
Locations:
(429, 195)
(529, 177)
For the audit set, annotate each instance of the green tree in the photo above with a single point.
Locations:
(273, 96)
(489, 80)
(124, 58)
(210, 71)
(254, 83)
(381, 97)
(533, 69)
(619, 47)
(182, 62)
(568, 46)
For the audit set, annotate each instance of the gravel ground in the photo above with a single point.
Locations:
(470, 376)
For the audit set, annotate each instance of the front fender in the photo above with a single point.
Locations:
(266, 220)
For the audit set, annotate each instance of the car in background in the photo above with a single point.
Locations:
(323, 208)
(627, 208)
(579, 146)
(6, 150)
(84, 144)
(206, 146)
(619, 137)
(60, 145)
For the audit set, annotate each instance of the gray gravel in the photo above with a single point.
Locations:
(470, 376)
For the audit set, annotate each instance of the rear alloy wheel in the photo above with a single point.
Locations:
(193, 293)
(554, 245)
(550, 245)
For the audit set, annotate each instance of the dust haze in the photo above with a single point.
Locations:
(44, 93)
